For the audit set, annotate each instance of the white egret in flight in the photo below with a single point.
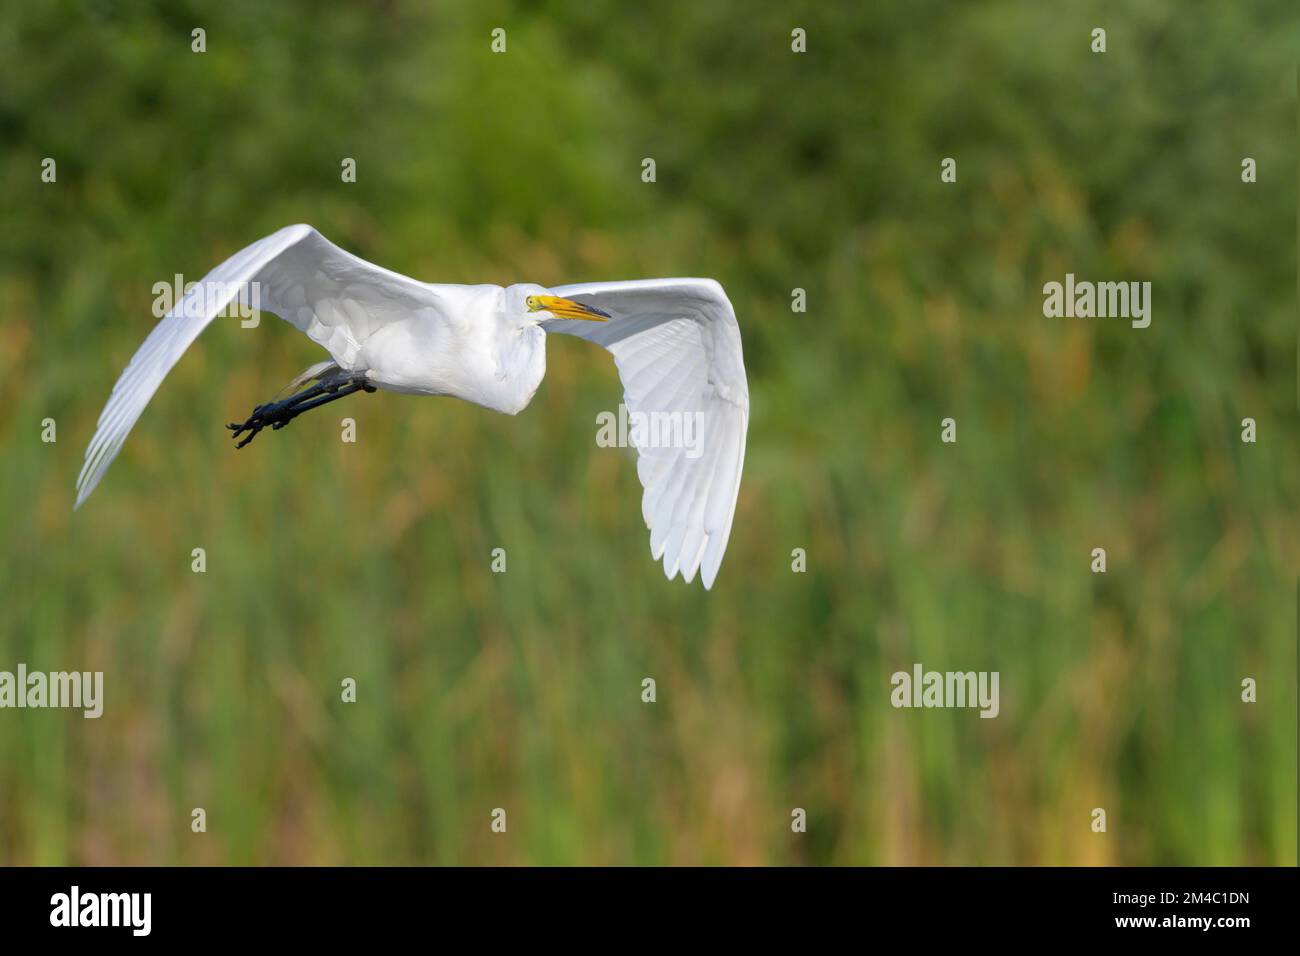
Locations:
(675, 342)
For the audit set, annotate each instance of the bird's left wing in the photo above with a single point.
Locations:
(333, 297)
(677, 347)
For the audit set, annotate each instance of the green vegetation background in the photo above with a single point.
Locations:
(775, 171)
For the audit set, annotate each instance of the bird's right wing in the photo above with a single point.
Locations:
(332, 296)
(677, 347)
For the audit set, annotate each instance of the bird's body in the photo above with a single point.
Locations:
(675, 341)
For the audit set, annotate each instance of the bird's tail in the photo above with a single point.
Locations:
(318, 370)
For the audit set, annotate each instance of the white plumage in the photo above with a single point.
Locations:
(675, 342)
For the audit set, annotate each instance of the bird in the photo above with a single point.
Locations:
(675, 342)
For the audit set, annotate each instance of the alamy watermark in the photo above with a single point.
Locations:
(651, 430)
(194, 300)
(922, 688)
(1101, 300)
(133, 911)
(82, 690)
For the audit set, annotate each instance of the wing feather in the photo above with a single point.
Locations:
(331, 295)
(676, 345)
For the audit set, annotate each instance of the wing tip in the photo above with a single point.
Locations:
(85, 486)
(708, 574)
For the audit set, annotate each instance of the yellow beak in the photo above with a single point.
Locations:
(566, 308)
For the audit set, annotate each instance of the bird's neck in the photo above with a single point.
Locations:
(495, 360)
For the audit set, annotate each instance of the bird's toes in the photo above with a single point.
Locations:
(252, 426)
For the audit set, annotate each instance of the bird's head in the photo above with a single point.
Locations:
(543, 307)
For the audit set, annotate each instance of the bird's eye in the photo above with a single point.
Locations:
(531, 301)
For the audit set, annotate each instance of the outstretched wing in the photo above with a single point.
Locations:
(677, 347)
(332, 296)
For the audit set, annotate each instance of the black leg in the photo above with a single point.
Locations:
(278, 414)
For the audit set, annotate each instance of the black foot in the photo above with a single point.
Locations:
(276, 415)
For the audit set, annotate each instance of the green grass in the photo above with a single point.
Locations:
(775, 171)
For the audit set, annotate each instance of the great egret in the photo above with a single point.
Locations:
(675, 342)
